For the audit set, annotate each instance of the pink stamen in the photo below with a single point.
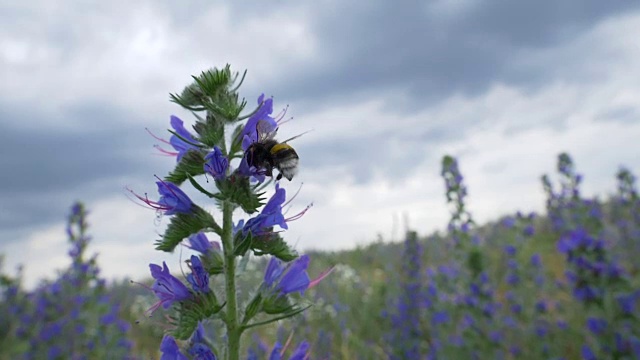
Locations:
(165, 152)
(156, 137)
(155, 306)
(300, 214)
(286, 345)
(321, 277)
(152, 204)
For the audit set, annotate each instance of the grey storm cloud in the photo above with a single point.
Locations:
(433, 51)
(44, 168)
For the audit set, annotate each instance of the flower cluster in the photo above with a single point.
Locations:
(76, 305)
(195, 302)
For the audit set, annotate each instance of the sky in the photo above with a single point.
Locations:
(387, 88)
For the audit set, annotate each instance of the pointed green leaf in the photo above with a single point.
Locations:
(253, 308)
(183, 225)
(272, 244)
(191, 164)
(241, 243)
(210, 130)
(237, 190)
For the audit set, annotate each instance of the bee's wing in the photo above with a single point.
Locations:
(295, 137)
(265, 130)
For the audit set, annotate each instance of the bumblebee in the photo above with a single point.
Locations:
(267, 153)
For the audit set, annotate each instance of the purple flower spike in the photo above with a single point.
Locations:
(216, 164)
(170, 350)
(167, 287)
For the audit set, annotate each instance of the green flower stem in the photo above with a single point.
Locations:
(233, 327)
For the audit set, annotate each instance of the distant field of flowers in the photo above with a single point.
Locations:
(564, 285)
(559, 285)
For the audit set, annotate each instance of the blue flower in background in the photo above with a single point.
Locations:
(300, 353)
(587, 354)
(596, 325)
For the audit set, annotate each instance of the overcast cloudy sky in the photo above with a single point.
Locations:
(388, 87)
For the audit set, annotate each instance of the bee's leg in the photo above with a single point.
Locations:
(279, 176)
(269, 171)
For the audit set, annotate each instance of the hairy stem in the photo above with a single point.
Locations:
(233, 327)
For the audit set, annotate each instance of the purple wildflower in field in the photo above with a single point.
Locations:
(541, 306)
(528, 230)
(587, 353)
(300, 353)
(596, 325)
(508, 222)
(536, 260)
(170, 350)
(405, 342)
(167, 287)
(199, 278)
(216, 164)
(510, 250)
(627, 302)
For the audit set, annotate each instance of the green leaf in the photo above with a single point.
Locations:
(253, 308)
(236, 142)
(191, 164)
(191, 98)
(210, 130)
(199, 187)
(272, 244)
(213, 262)
(242, 243)
(237, 190)
(183, 225)
(293, 312)
(277, 304)
(190, 312)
